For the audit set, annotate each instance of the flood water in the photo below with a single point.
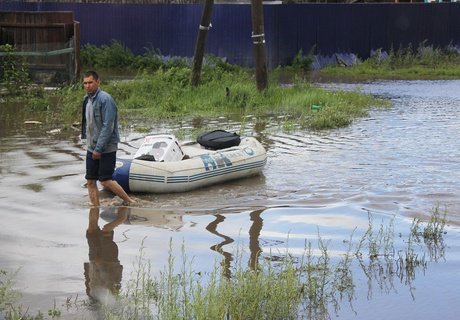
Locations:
(397, 164)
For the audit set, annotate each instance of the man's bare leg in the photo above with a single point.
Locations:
(93, 192)
(113, 186)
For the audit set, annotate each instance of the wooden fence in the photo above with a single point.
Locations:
(50, 41)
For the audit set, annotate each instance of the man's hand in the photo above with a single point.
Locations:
(96, 155)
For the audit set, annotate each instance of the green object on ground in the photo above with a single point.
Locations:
(315, 108)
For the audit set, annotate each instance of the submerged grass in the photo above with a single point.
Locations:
(312, 285)
(9, 308)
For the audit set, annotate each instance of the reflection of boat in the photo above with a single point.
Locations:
(146, 216)
(161, 165)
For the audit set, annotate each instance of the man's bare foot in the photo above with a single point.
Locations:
(131, 202)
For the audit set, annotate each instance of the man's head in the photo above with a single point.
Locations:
(91, 82)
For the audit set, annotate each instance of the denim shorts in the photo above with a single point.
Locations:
(100, 169)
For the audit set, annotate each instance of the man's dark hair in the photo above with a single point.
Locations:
(92, 73)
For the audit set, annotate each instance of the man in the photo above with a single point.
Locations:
(100, 128)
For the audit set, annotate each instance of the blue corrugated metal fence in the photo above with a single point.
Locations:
(329, 28)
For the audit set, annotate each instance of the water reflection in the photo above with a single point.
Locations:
(228, 257)
(254, 246)
(330, 268)
(103, 272)
(146, 216)
(254, 234)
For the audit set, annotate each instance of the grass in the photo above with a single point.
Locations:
(160, 88)
(312, 285)
(167, 94)
(9, 298)
(431, 233)
(424, 62)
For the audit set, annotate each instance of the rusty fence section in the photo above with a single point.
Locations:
(50, 42)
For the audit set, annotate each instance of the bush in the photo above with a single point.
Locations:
(119, 58)
(115, 56)
(14, 71)
(302, 62)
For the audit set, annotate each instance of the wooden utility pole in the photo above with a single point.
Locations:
(258, 39)
(201, 42)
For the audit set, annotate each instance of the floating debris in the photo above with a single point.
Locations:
(54, 131)
(32, 122)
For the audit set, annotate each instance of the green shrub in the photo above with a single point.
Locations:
(303, 62)
(114, 56)
(151, 60)
(14, 71)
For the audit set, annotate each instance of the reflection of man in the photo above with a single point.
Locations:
(103, 272)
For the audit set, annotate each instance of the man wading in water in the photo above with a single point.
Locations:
(100, 129)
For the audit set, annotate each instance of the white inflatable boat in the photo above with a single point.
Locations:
(162, 165)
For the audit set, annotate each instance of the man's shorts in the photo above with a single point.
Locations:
(100, 169)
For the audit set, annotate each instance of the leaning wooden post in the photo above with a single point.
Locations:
(201, 42)
(258, 39)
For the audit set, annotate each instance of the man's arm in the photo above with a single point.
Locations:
(108, 114)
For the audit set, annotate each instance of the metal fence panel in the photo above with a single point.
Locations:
(329, 28)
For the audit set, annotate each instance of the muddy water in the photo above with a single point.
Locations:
(394, 165)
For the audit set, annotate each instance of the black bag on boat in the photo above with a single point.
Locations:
(146, 157)
(218, 139)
